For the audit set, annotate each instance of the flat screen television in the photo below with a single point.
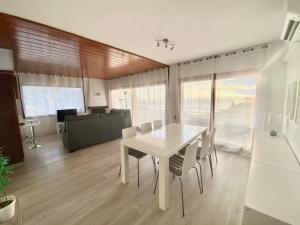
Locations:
(61, 114)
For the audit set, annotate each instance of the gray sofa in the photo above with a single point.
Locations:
(85, 130)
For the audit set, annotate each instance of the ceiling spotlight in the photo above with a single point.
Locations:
(166, 43)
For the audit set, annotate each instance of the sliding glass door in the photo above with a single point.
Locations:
(196, 102)
(235, 111)
(146, 103)
(233, 104)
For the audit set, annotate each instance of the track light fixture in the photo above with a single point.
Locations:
(166, 43)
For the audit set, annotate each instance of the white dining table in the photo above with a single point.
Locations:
(161, 143)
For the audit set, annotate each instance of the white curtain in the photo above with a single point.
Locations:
(34, 79)
(182, 102)
(235, 96)
(236, 76)
(43, 94)
(196, 102)
(195, 91)
(144, 94)
(270, 76)
(141, 79)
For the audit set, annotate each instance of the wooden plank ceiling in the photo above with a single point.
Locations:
(39, 48)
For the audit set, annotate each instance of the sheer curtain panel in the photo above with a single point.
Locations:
(43, 95)
(235, 96)
(144, 94)
(220, 91)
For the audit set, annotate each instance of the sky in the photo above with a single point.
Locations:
(234, 87)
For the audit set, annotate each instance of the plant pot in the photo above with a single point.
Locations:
(8, 211)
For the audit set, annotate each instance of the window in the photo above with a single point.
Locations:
(234, 107)
(235, 111)
(44, 100)
(196, 102)
(146, 103)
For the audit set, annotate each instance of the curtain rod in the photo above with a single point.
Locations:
(48, 74)
(146, 71)
(234, 52)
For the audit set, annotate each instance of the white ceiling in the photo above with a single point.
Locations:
(197, 27)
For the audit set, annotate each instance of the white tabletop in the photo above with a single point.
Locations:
(166, 141)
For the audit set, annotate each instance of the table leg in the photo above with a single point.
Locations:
(164, 183)
(124, 164)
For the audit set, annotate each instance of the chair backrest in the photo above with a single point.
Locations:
(212, 136)
(129, 132)
(157, 124)
(204, 145)
(146, 127)
(190, 157)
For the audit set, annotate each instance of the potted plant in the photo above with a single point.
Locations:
(7, 202)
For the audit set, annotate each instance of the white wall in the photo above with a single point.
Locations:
(294, 7)
(291, 128)
(275, 72)
(97, 93)
(6, 59)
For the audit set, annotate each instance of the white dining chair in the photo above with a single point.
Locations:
(199, 138)
(146, 127)
(157, 124)
(127, 133)
(212, 141)
(204, 151)
(179, 166)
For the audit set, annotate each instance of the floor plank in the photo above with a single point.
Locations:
(84, 188)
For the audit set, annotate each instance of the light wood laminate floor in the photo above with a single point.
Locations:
(59, 188)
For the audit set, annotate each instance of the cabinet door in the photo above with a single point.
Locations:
(10, 136)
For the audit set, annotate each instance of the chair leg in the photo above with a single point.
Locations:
(215, 149)
(120, 170)
(154, 163)
(200, 185)
(156, 182)
(182, 202)
(138, 167)
(210, 162)
(200, 174)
